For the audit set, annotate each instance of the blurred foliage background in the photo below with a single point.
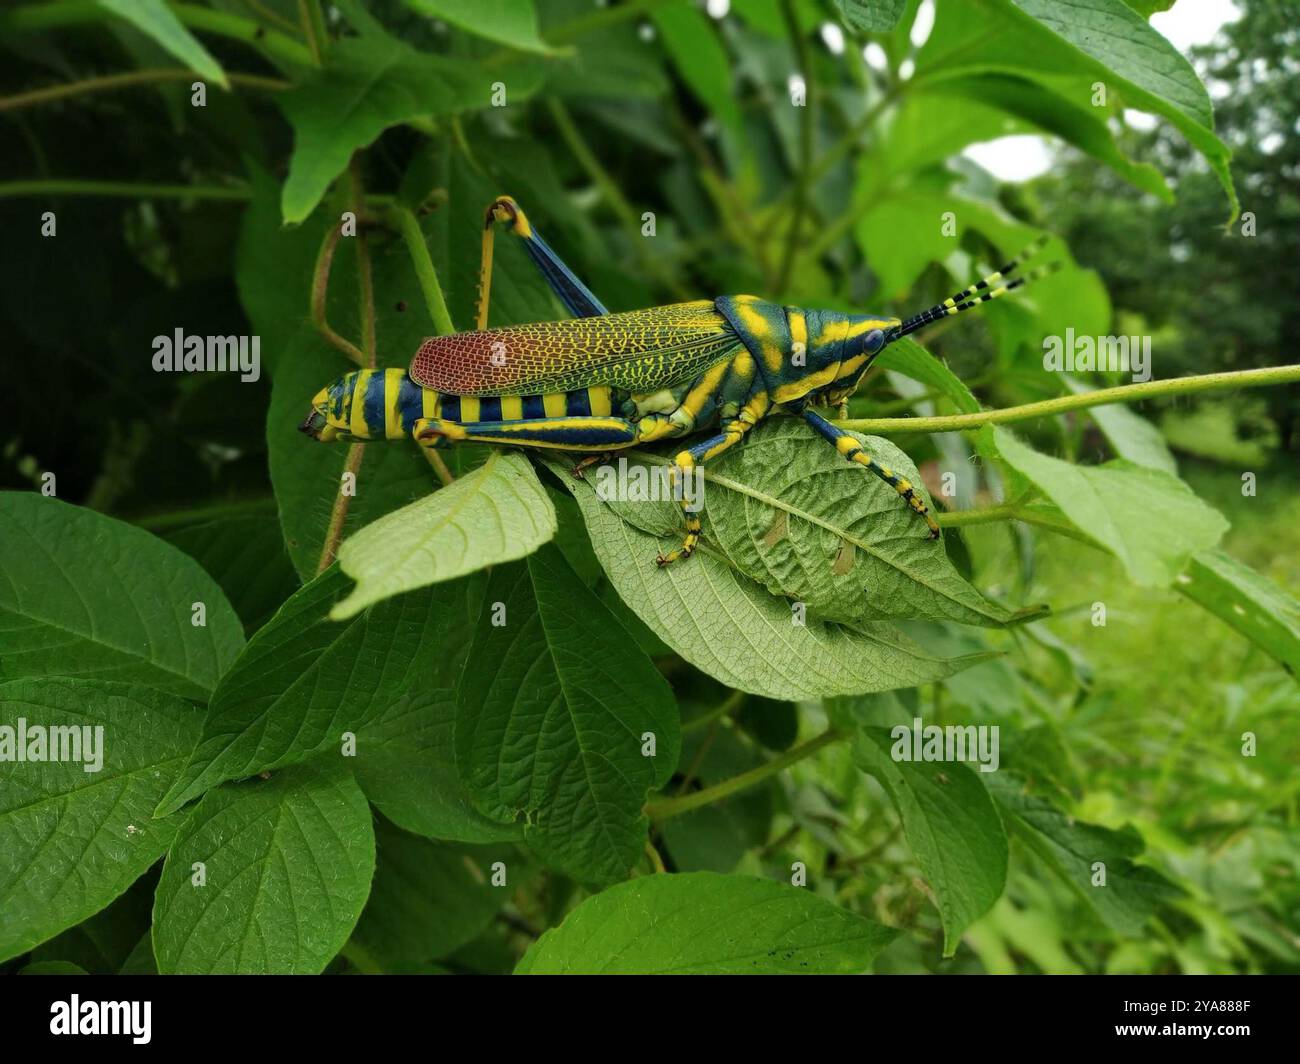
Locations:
(612, 112)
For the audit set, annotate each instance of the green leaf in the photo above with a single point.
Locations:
(157, 21)
(789, 512)
(1248, 601)
(430, 898)
(246, 556)
(1072, 849)
(494, 514)
(766, 650)
(53, 968)
(84, 595)
(286, 866)
(951, 826)
(908, 357)
(72, 840)
(553, 707)
(370, 83)
(1132, 435)
(511, 22)
(703, 923)
(1150, 520)
(304, 681)
(692, 42)
(959, 111)
(871, 16)
(1117, 37)
(1067, 46)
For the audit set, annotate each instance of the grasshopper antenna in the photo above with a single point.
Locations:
(996, 284)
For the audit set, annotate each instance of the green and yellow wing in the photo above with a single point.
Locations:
(639, 351)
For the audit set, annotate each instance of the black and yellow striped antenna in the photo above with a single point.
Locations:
(996, 284)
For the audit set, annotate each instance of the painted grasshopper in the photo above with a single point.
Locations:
(601, 382)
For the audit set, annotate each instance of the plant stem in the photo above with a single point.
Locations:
(724, 708)
(433, 299)
(320, 289)
(365, 282)
(124, 189)
(424, 271)
(109, 82)
(807, 127)
(1124, 393)
(671, 807)
(221, 23)
(366, 308)
(601, 19)
(611, 193)
(339, 513)
(309, 26)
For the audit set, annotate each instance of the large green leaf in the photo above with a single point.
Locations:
(246, 556)
(1149, 519)
(84, 595)
(789, 512)
(158, 22)
(692, 42)
(369, 83)
(286, 865)
(766, 650)
(72, 840)
(305, 680)
(1073, 849)
(430, 898)
(871, 16)
(496, 513)
(1067, 46)
(1248, 601)
(553, 707)
(704, 923)
(951, 825)
(512, 22)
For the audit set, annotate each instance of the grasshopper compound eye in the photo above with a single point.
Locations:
(873, 341)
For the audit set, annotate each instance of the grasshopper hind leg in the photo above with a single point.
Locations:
(851, 449)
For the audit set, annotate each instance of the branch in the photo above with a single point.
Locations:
(222, 23)
(424, 271)
(671, 807)
(109, 82)
(1124, 393)
(123, 189)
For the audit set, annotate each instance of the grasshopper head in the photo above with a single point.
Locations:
(331, 411)
(842, 346)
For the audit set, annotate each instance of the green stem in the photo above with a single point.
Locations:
(1124, 393)
(601, 19)
(125, 80)
(309, 26)
(807, 127)
(424, 271)
(671, 807)
(611, 193)
(727, 706)
(221, 23)
(125, 189)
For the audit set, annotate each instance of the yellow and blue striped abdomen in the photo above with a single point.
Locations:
(386, 404)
